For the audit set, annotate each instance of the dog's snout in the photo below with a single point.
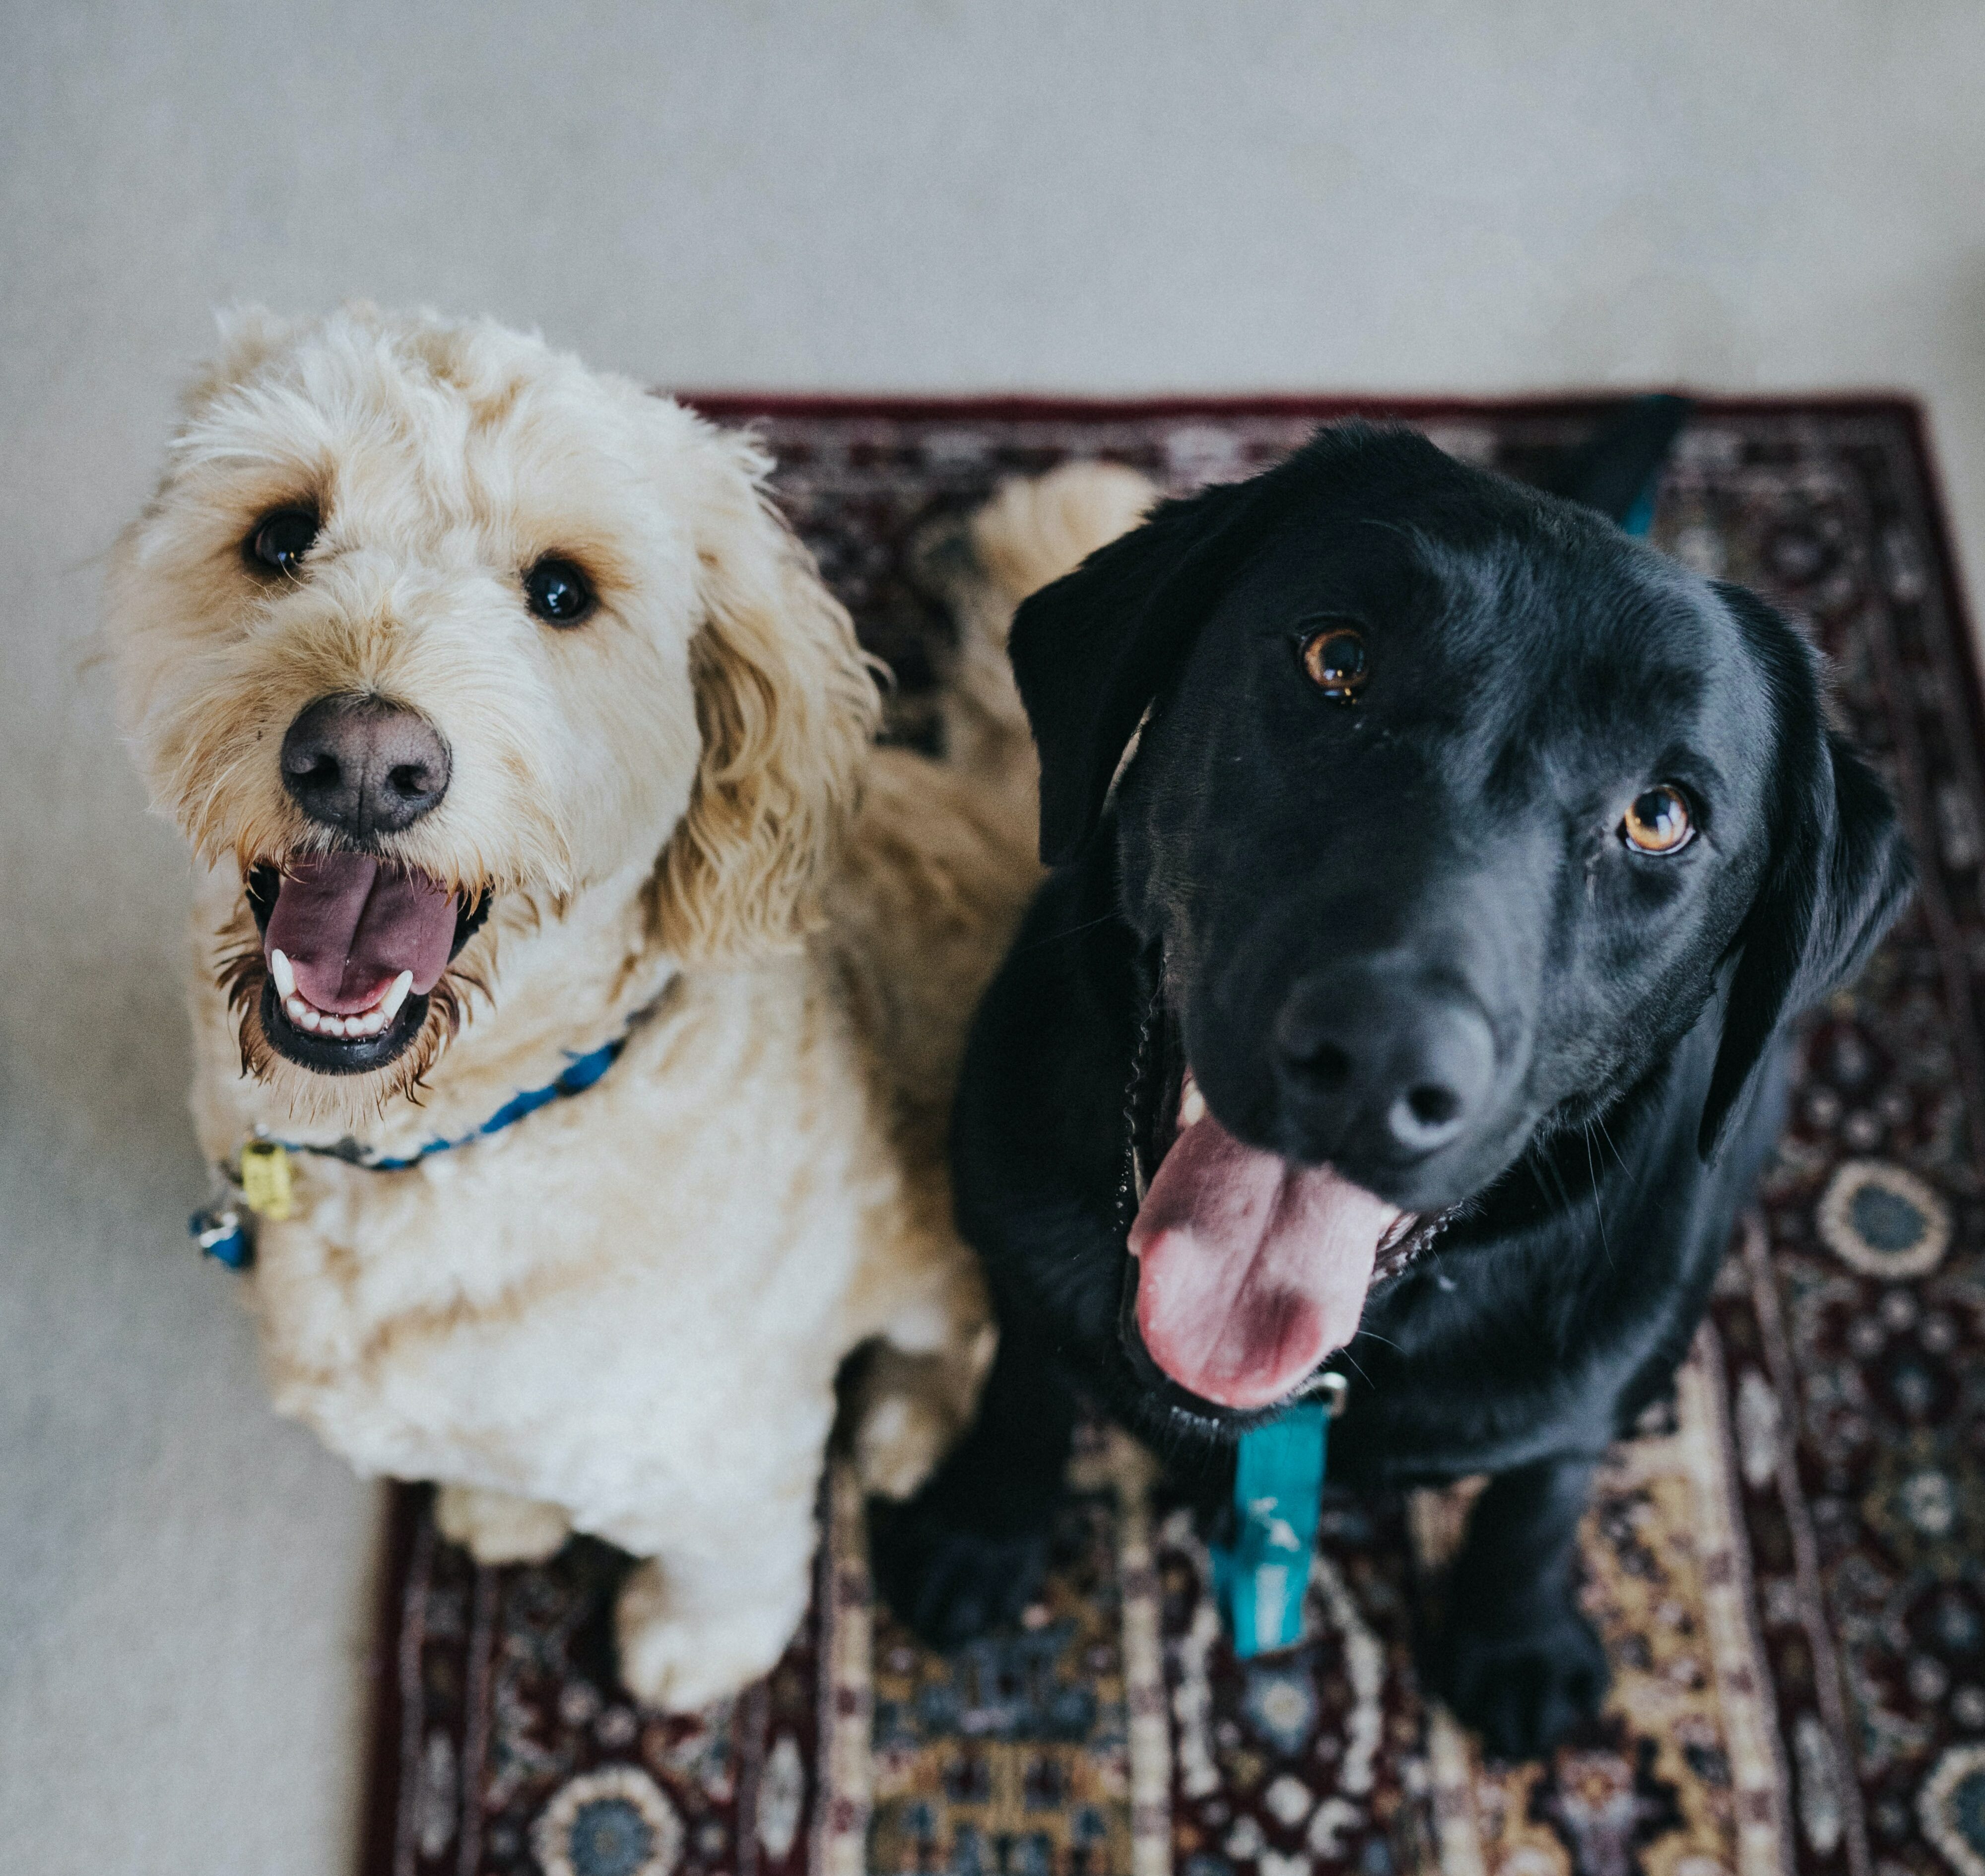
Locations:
(364, 765)
(1378, 1066)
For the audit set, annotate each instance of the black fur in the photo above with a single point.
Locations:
(1281, 876)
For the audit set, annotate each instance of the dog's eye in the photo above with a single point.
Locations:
(1658, 821)
(558, 592)
(1333, 657)
(280, 540)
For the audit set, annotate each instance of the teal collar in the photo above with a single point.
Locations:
(1259, 1577)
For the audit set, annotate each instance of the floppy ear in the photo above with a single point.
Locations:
(1838, 873)
(786, 708)
(1092, 651)
(1617, 470)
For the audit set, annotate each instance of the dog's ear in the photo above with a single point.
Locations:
(1617, 470)
(1092, 651)
(786, 708)
(1837, 875)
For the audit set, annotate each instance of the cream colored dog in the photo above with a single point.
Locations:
(510, 724)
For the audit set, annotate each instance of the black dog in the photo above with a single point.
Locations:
(1423, 977)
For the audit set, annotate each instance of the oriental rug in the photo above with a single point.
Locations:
(1787, 1565)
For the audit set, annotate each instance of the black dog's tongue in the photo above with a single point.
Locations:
(350, 925)
(1251, 1269)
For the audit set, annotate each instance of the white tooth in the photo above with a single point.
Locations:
(334, 1026)
(389, 1004)
(295, 1006)
(286, 978)
(371, 1023)
(310, 1019)
(1192, 1106)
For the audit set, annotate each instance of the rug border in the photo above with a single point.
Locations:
(1961, 621)
(379, 1827)
(729, 404)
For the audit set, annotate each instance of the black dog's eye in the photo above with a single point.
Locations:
(1658, 821)
(558, 592)
(280, 540)
(1333, 657)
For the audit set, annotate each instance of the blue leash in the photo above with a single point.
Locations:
(223, 1231)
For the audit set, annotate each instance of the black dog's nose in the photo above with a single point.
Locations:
(364, 765)
(1374, 1063)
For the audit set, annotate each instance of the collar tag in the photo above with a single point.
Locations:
(1261, 1576)
(265, 1179)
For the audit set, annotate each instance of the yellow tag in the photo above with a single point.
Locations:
(265, 1178)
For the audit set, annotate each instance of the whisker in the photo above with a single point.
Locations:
(1598, 1210)
(1543, 1163)
(1070, 931)
(1605, 1133)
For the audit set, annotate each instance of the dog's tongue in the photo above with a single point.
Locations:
(1251, 1269)
(349, 927)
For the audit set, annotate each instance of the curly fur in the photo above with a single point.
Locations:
(626, 1313)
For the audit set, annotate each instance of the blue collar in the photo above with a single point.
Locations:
(224, 1230)
(580, 1073)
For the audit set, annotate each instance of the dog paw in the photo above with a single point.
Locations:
(679, 1660)
(950, 1585)
(498, 1527)
(898, 1443)
(1522, 1691)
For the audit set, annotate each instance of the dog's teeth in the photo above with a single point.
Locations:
(1192, 1106)
(364, 1023)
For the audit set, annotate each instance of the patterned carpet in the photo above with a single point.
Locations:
(1788, 1567)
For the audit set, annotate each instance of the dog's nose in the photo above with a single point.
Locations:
(364, 765)
(1374, 1063)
